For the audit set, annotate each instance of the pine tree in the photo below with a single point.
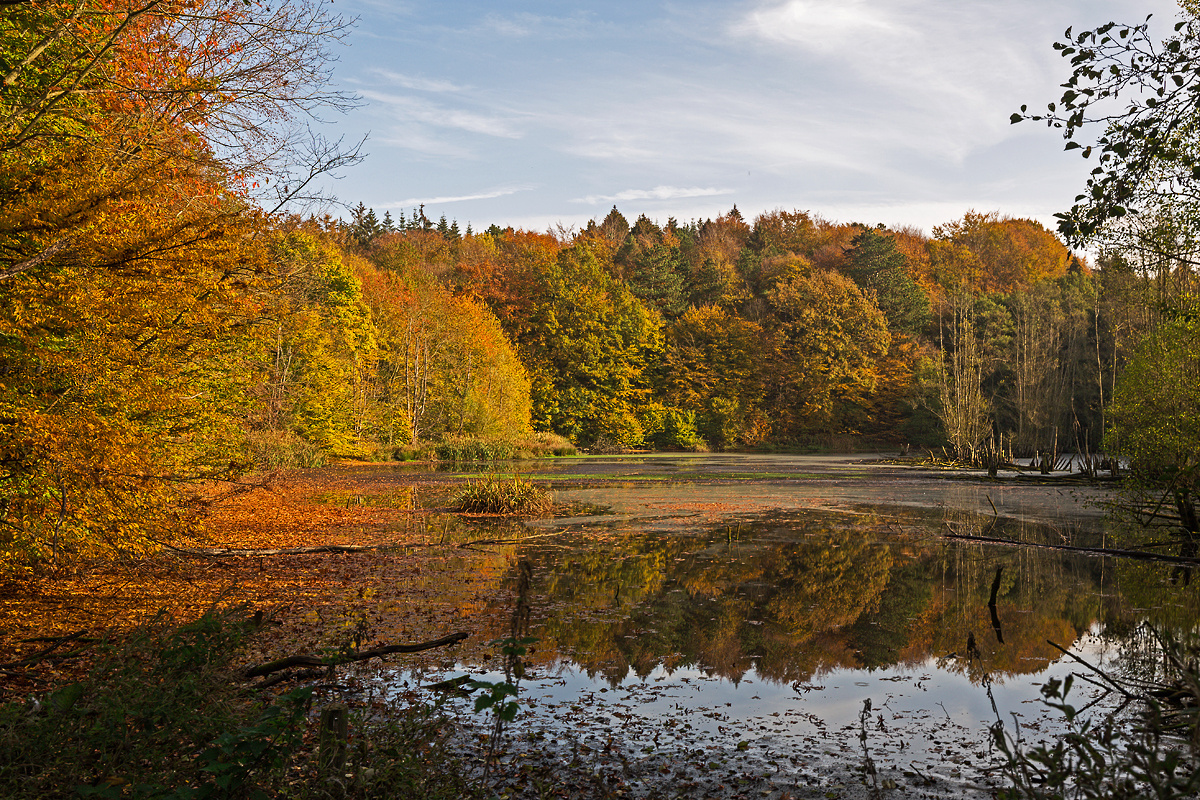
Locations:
(873, 262)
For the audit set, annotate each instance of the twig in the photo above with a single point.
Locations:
(1094, 669)
(44, 654)
(218, 552)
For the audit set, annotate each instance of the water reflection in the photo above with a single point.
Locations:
(798, 595)
(761, 641)
(682, 601)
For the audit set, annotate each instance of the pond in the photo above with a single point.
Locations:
(762, 624)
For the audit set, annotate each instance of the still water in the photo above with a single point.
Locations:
(738, 613)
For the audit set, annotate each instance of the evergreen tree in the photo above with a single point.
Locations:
(365, 226)
(873, 262)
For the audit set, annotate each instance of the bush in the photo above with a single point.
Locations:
(545, 444)
(491, 495)
(672, 428)
(163, 714)
(135, 724)
(1112, 758)
(467, 448)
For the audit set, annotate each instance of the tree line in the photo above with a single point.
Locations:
(794, 330)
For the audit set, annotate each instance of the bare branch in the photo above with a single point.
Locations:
(50, 252)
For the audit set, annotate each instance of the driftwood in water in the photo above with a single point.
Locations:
(317, 661)
(1141, 555)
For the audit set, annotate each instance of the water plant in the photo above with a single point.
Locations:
(495, 495)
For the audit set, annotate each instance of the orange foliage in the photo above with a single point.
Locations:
(993, 253)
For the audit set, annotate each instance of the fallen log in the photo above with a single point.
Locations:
(1140, 555)
(333, 661)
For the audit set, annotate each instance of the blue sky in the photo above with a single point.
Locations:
(534, 114)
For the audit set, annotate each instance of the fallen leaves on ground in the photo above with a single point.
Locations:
(420, 586)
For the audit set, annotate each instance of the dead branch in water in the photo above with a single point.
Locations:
(1140, 555)
(292, 662)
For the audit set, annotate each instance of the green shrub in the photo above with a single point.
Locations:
(617, 430)
(134, 725)
(492, 495)
(678, 432)
(1110, 758)
(468, 448)
(409, 453)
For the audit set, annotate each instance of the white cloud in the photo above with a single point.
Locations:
(415, 83)
(431, 201)
(418, 140)
(822, 25)
(412, 109)
(947, 74)
(525, 25)
(657, 193)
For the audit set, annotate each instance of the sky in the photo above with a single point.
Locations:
(539, 114)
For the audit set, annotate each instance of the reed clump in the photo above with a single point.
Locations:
(510, 497)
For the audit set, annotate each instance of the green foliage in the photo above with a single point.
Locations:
(587, 341)
(671, 428)
(1146, 154)
(232, 763)
(464, 449)
(134, 725)
(163, 716)
(1155, 415)
(874, 263)
(1109, 759)
(496, 694)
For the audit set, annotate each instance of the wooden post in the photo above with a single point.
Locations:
(335, 732)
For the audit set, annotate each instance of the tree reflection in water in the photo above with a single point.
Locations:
(797, 596)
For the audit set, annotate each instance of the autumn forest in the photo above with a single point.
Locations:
(171, 314)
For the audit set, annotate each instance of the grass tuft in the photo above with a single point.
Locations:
(493, 495)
